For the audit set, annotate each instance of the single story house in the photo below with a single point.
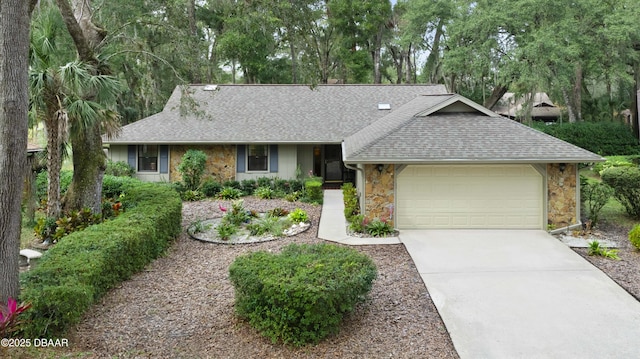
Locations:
(420, 157)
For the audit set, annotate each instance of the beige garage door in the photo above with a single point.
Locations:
(496, 196)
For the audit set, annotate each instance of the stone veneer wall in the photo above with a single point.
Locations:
(221, 161)
(562, 187)
(378, 193)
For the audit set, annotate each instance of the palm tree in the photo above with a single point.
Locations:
(59, 99)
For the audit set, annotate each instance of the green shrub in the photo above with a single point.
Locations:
(264, 192)
(299, 215)
(313, 191)
(595, 249)
(350, 199)
(264, 182)
(238, 214)
(626, 185)
(226, 230)
(42, 183)
(191, 195)
(295, 186)
(119, 169)
(281, 185)
(277, 212)
(300, 295)
(595, 196)
(603, 138)
(358, 224)
(229, 193)
(210, 188)
(379, 228)
(634, 236)
(615, 161)
(84, 265)
(292, 197)
(232, 184)
(113, 186)
(270, 224)
(191, 167)
(248, 186)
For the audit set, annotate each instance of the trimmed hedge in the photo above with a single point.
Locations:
(603, 138)
(634, 236)
(626, 185)
(313, 190)
(84, 265)
(300, 295)
(350, 199)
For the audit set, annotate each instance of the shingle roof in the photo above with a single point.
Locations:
(271, 113)
(416, 133)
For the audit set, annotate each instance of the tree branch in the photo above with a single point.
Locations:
(85, 52)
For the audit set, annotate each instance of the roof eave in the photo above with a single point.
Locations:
(455, 161)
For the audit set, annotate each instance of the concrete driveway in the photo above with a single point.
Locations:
(523, 294)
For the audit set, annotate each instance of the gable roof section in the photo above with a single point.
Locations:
(453, 129)
(270, 113)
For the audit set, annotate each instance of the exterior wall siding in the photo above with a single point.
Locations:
(287, 163)
(117, 153)
(379, 192)
(305, 158)
(221, 161)
(563, 204)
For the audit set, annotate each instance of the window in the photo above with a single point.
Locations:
(257, 158)
(148, 158)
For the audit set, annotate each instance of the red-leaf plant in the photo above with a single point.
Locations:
(9, 321)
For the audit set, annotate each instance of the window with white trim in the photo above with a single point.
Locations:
(147, 158)
(258, 158)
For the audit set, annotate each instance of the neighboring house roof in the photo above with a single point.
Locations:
(541, 106)
(453, 129)
(270, 113)
(33, 147)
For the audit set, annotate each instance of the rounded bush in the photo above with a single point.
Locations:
(300, 295)
(626, 185)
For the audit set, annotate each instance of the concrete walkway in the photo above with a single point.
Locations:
(512, 294)
(333, 226)
(523, 294)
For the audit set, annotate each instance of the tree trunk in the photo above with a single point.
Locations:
(88, 155)
(14, 47)
(431, 66)
(496, 95)
(577, 93)
(409, 71)
(88, 170)
(635, 111)
(567, 101)
(377, 48)
(54, 164)
(294, 63)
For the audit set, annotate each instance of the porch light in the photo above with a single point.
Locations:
(380, 167)
(562, 167)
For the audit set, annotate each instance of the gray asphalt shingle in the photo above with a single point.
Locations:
(458, 137)
(271, 113)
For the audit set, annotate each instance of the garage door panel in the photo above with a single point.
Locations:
(495, 196)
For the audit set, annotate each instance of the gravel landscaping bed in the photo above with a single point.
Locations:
(626, 271)
(181, 306)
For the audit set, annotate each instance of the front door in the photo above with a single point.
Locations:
(333, 163)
